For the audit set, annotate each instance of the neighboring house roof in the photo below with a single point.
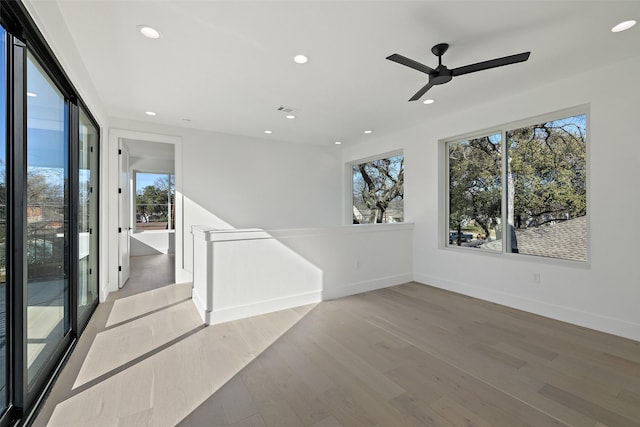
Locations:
(566, 240)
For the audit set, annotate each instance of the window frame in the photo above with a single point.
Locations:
(23, 39)
(502, 130)
(348, 209)
(83, 318)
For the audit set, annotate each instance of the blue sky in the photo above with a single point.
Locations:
(145, 179)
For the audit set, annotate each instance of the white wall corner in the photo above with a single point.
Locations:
(332, 292)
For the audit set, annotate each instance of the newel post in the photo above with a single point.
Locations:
(202, 292)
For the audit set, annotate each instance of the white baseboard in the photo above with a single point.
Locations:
(205, 315)
(227, 314)
(366, 286)
(151, 251)
(565, 314)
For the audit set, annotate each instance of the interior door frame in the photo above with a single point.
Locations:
(109, 264)
(124, 215)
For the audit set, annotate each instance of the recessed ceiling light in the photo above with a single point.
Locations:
(623, 26)
(300, 59)
(268, 131)
(148, 31)
(186, 120)
(368, 131)
(150, 113)
(31, 94)
(290, 116)
(428, 101)
(338, 142)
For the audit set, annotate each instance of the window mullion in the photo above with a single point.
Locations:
(505, 192)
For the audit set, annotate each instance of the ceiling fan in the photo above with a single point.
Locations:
(441, 74)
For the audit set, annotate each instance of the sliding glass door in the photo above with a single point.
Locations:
(47, 217)
(87, 216)
(49, 156)
(4, 297)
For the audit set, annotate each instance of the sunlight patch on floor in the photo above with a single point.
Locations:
(129, 307)
(157, 368)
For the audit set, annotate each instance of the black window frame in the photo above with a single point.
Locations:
(23, 36)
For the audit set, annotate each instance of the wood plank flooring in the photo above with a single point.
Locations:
(411, 355)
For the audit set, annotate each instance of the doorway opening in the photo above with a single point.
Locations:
(148, 204)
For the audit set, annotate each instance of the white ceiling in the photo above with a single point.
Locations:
(149, 149)
(228, 65)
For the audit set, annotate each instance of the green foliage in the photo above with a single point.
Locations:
(547, 174)
(475, 183)
(548, 166)
(153, 201)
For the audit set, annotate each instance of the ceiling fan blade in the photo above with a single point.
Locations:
(410, 63)
(492, 63)
(421, 92)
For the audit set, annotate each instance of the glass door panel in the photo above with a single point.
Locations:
(47, 217)
(87, 217)
(3, 222)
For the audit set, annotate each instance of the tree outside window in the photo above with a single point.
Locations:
(548, 200)
(542, 184)
(378, 191)
(155, 207)
(475, 191)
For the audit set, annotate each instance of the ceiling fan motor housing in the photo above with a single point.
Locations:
(442, 75)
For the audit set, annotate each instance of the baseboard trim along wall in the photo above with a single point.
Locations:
(330, 292)
(228, 314)
(585, 319)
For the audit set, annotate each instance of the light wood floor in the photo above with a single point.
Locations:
(409, 355)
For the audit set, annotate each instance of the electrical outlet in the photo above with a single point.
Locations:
(536, 277)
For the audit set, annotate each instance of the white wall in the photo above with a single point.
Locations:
(229, 181)
(152, 243)
(603, 295)
(350, 257)
(241, 273)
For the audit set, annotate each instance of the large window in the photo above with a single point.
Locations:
(521, 190)
(155, 208)
(378, 190)
(49, 147)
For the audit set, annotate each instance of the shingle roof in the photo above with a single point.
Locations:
(566, 240)
(563, 240)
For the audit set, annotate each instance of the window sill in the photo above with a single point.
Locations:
(520, 257)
